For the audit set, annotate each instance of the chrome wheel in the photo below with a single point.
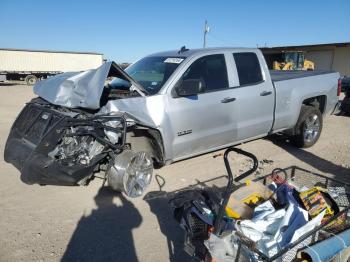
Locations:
(311, 128)
(130, 173)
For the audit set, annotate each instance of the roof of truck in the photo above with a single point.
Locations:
(190, 52)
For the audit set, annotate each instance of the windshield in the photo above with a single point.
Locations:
(150, 72)
(291, 57)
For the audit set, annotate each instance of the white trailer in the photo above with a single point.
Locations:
(33, 65)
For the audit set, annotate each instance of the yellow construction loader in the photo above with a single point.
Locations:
(293, 60)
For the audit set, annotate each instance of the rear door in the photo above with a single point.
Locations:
(254, 95)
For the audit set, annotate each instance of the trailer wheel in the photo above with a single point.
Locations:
(308, 128)
(31, 79)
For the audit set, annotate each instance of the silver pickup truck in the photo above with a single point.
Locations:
(165, 107)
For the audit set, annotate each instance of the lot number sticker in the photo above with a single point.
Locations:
(173, 60)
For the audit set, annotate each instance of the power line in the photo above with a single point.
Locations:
(219, 40)
(206, 33)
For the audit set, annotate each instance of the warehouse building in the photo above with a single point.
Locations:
(332, 56)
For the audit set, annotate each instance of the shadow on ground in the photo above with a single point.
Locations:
(106, 234)
(323, 165)
(159, 205)
(14, 83)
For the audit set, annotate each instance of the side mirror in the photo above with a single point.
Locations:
(190, 87)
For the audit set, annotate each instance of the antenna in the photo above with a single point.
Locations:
(182, 50)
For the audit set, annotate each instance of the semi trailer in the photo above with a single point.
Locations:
(33, 65)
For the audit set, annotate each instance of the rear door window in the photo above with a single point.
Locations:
(248, 68)
(211, 69)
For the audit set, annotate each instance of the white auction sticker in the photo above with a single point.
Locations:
(173, 60)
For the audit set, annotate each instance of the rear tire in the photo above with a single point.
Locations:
(308, 128)
(31, 80)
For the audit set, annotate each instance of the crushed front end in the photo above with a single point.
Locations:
(54, 145)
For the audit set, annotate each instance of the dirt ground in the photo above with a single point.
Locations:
(92, 224)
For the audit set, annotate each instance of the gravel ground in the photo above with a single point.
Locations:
(92, 224)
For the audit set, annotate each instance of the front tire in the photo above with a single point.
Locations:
(308, 128)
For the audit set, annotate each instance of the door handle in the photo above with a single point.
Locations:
(228, 99)
(265, 93)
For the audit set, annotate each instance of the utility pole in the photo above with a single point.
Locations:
(206, 30)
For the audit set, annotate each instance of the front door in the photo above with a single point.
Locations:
(204, 121)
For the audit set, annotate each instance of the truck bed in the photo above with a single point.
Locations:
(277, 75)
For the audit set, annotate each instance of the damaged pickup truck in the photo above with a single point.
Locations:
(163, 108)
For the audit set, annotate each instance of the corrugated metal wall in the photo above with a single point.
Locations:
(15, 60)
(341, 61)
(335, 58)
(325, 57)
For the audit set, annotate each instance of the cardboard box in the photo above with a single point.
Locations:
(243, 200)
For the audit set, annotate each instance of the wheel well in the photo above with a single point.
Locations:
(148, 140)
(317, 101)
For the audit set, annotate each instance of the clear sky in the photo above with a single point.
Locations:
(127, 30)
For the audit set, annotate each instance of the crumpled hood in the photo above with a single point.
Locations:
(81, 89)
(75, 89)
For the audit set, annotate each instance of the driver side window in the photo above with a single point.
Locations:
(211, 70)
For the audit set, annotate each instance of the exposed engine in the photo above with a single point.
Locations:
(86, 139)
(75, 150)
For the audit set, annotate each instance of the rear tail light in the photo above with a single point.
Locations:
(339, 87)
